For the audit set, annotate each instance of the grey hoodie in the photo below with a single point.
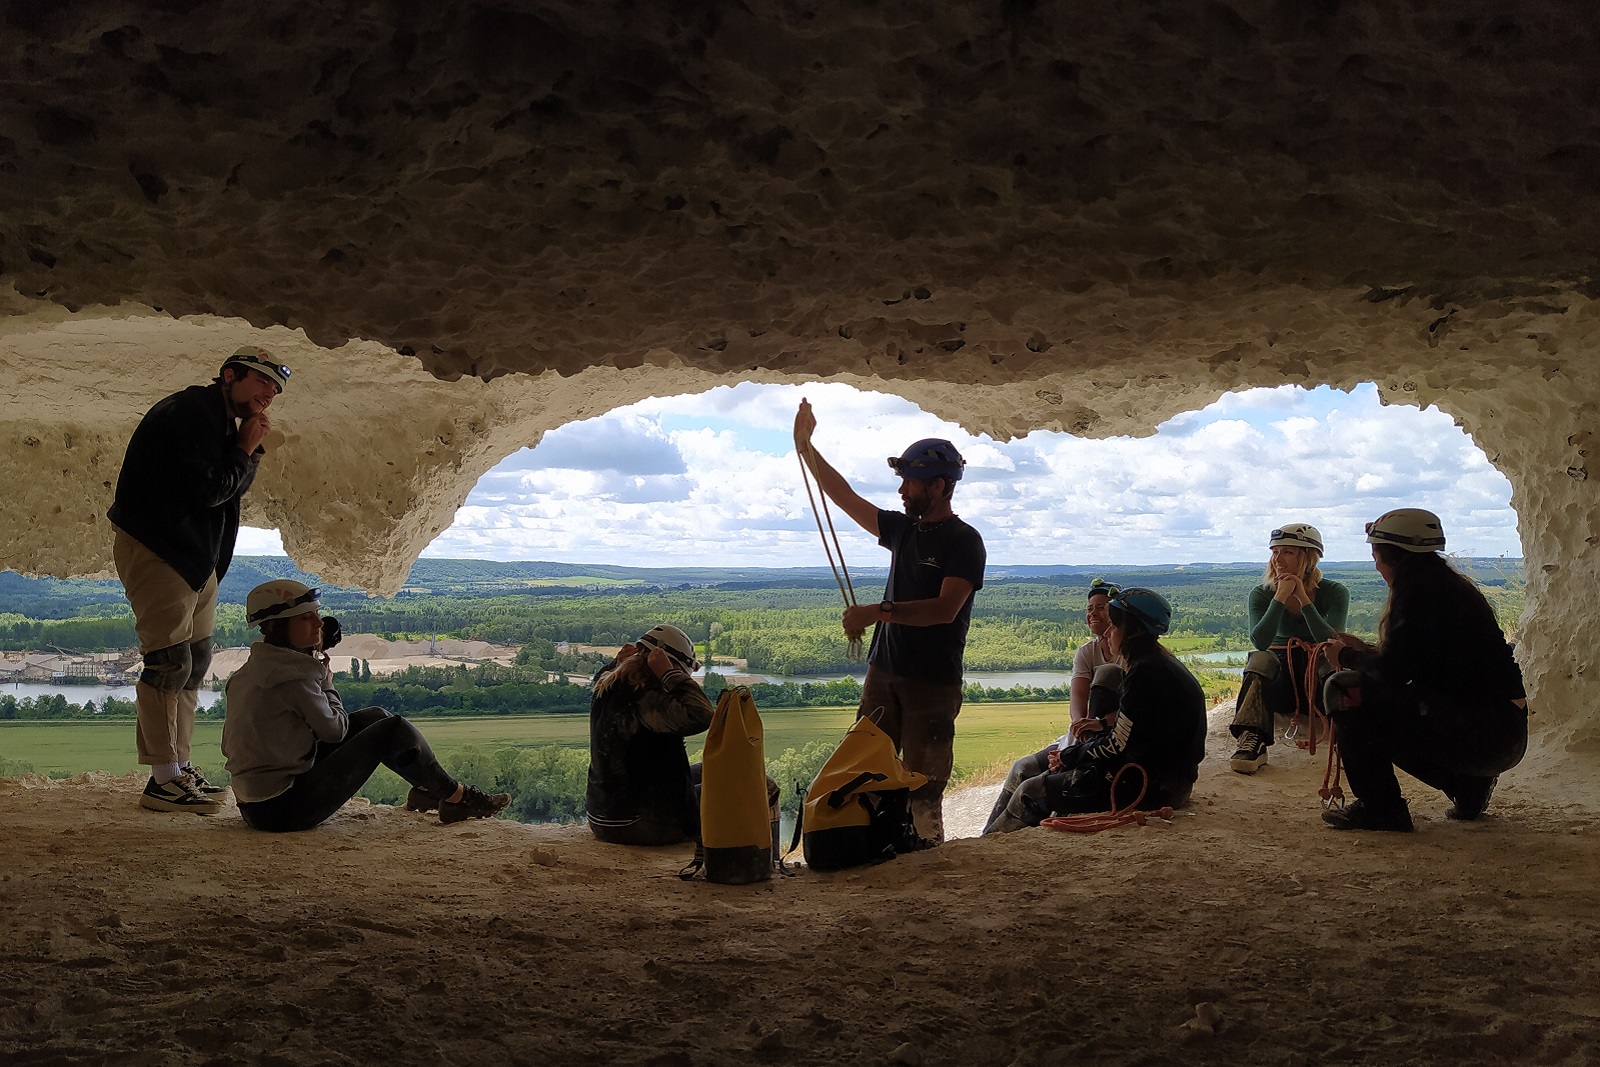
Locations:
(277, 712)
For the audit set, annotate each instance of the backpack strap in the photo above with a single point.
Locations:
(841, 796)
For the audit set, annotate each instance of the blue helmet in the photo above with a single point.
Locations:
(931, 457)
(1147, 606)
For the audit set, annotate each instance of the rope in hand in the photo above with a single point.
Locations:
(847, 588)
(1094, 822)
(1306, 696)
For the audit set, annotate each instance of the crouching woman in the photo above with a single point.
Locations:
(1158, 716)
(1439, 697)
(294, 753)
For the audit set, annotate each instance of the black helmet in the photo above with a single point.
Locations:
(931, 457)
(1101, 587)
(1148, 607)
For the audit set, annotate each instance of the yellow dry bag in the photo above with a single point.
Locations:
(858, 810)
(735, 819)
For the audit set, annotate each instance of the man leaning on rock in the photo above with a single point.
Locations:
(176, 516)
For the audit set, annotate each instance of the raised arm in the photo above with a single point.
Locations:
(864, 512)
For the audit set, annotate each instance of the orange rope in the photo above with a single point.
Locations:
(1094, 822)
(1306, 696)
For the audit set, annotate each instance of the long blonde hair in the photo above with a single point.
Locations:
(634, 670)
(1310, 575)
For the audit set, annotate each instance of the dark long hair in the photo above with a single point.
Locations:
(1409, 567)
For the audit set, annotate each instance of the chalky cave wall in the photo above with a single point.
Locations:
(466, 226)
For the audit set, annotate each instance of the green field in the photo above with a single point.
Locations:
(986, 734)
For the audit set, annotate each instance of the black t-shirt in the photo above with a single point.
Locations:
(920, 562)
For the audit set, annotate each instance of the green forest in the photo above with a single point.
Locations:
(779, 623)
(778, 626)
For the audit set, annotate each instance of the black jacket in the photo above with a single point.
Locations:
(1443, 642)
(182, 477)
(1161, 725)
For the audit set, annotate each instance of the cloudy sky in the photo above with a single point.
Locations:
(712, 480)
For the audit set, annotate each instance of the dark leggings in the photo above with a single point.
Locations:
(343, 767)
(1453, 748)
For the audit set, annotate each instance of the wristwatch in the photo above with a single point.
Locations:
(886, 611)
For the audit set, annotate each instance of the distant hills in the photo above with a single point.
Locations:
(55, 598)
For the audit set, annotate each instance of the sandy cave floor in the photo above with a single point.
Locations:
(1245, 932)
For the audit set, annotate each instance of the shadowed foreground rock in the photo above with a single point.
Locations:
(1244, 933)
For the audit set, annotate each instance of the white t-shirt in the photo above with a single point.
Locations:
(1090, 654)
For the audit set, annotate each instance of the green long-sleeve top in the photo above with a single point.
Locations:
(1271, 625)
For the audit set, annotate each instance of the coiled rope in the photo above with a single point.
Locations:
(1306, 694)
(1094, 822)
(847, 588)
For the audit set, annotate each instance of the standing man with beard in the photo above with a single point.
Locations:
(913, 685)
(176, 516)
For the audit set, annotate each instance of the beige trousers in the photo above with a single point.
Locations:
(168, 616)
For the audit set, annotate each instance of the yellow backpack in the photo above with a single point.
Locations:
(858, 810)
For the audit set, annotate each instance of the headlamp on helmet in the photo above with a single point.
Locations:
(1101, 587)
(1297, 535)
(251, 358)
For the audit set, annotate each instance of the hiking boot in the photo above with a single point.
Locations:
(1252, 753)
(200, 783)
(474, 804)
(1357, 816)
(1471, 801)
(180, 794)
(419, 799)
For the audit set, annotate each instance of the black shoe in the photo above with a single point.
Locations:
(474, 804)
(200, 782)
(178, 795)
(419, 799)
(1357, 816)
(1471, 802)
(1252, 753)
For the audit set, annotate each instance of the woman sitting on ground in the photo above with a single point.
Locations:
(1091, 656)
(294, 753)
(1293, 601)
(644, 703)
(1441, 695)
(1160, 725)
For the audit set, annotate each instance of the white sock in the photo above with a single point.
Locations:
(164, 772)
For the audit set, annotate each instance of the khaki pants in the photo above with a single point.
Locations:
(168, 616)
(920, 718)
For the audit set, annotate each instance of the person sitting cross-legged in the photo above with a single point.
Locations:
(294, 753)
(1293, 603)
(1159, 725)
(1082, 724)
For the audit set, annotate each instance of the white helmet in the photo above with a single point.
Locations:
(1412, 529)
(675, 643)
(281, 599)
(1297, 535)
(261, 361)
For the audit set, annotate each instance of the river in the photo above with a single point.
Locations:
(81, 694)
